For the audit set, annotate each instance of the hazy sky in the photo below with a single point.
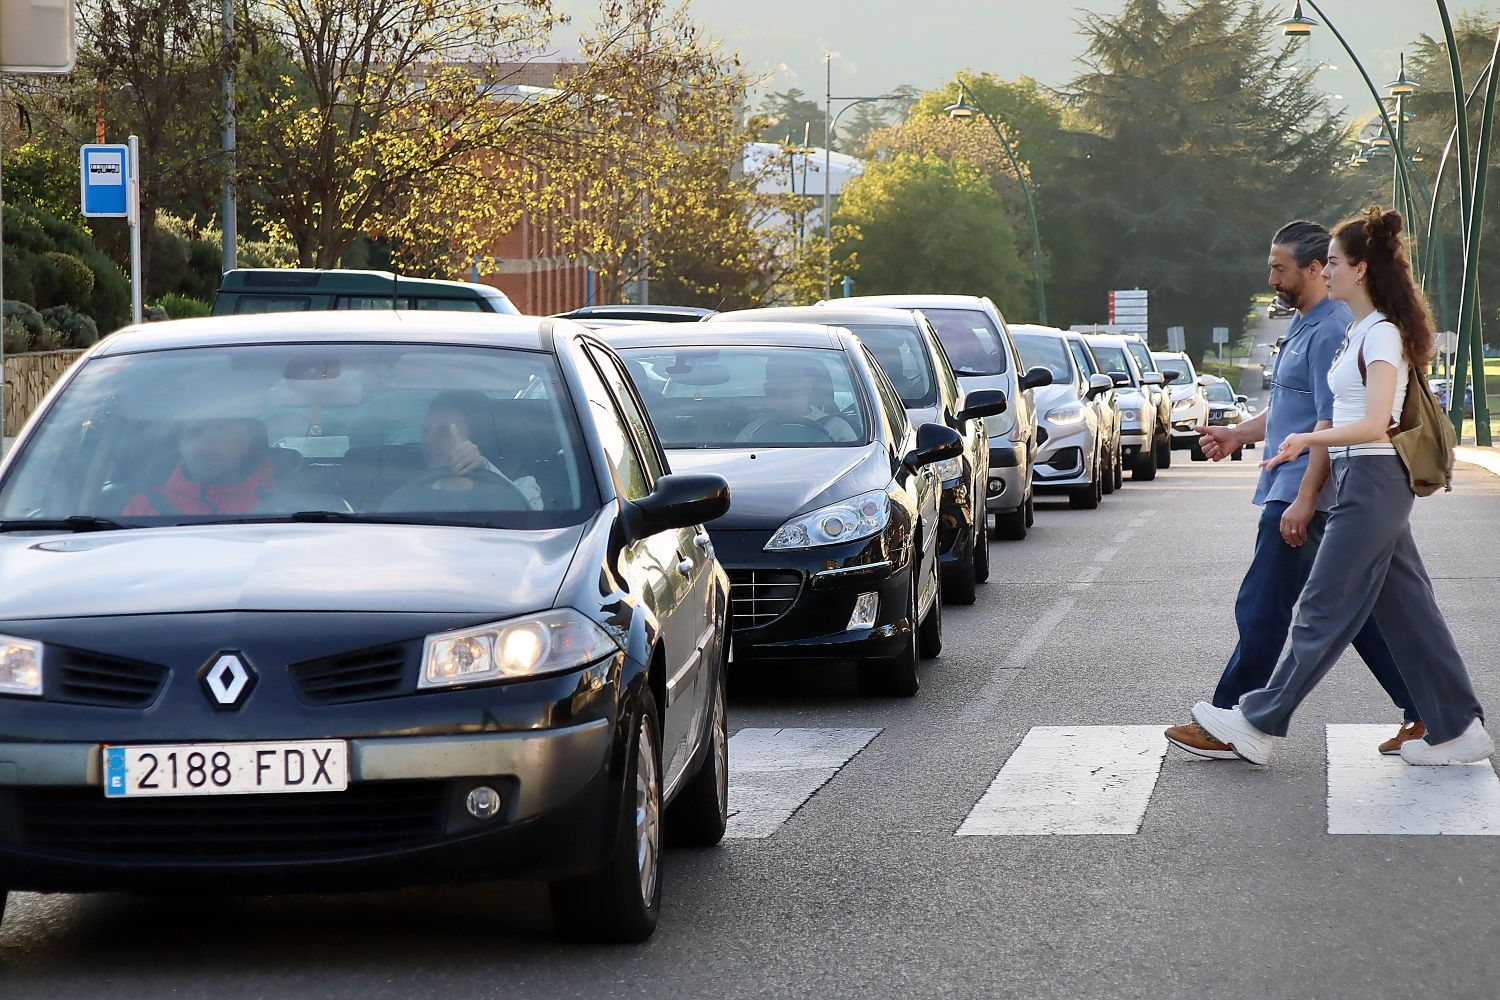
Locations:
(883, 43)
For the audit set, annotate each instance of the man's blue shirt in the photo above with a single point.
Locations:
(1300, 396)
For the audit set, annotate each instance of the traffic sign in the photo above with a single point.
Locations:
(104, 179)
(1176, 338)
(1221, 335)
(1129, 308)
(37, 36)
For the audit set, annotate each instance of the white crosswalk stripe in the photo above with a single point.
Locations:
(1066, 780)
(772, 772)
(1371, 794)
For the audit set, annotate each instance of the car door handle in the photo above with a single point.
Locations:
(701, 539)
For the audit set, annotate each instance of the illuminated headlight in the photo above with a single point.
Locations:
(1070, 414)
(1184, 404)
(859, 517)
(522, 647)
(20, 666)
(949, 469)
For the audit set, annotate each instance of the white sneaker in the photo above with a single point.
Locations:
(1229, 725)
(1473, 744)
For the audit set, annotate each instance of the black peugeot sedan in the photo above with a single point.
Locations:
(831, 546)
(909, 352)
(357, 599)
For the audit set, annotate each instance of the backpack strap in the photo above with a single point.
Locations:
(1364, 373)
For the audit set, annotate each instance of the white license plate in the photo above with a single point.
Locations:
(226, 768)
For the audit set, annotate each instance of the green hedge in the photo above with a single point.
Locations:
(182, 306)
(36, 243)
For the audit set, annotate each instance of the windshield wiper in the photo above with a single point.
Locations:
(77, 522)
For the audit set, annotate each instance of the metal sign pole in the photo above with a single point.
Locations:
(133, 193)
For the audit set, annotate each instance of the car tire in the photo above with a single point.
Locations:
(1011, 525)
(1086, 497)
(700, 813)
(1197, 453)
(958, 585)
(900, 675)
(1238, 455)
(1164, 453)
(930, 637)
(1145, 465)
(1119, 468)
(982, 549)
(1107, 462)
(616, 904)
(1030, 509)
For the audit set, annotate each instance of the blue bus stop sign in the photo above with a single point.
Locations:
(104, 172)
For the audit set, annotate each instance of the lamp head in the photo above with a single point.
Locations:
(1298, 25)
(962, 110)
(1401, 86)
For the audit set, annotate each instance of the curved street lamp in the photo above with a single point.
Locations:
(966, 109)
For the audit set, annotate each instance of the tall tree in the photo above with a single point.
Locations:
(790, 117)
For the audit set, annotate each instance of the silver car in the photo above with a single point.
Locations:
(1106, 404)
(978, 343)
(1072, 446)
(1138, 421)
(1189, 406)
(1159, 395)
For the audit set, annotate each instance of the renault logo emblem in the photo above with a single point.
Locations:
(228, 679)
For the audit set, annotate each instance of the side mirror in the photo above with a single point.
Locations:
(1242, 399)
(1152, 378)
(984, 403)
(1170, 375)
(935, 443)
(1098, 386)
(1037, 377)
(680, 501)
(1121, 379)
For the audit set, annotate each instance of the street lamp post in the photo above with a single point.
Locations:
(830, 122)
(965, 110)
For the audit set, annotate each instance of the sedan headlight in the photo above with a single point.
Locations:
(1072, 413)
(949, 469)
(522, 647)
(20, 666)
(1129, 414)
(1184, 404)
(858, 517)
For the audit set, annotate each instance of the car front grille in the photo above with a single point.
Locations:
(81, 824)
(760, 597)
(363, 675)
(81, 677)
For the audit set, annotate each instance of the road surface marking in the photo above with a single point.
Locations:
(1371, 794)
(1105, 555)
(772, 772)
(1068, 780)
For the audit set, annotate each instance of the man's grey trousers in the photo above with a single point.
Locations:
(1368, 563)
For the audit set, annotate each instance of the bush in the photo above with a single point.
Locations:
(51, 339)
(32, 233)
(17, 338)
(79, 330)
(73, 283)
(29, 319)
(153, 314)
(182, 306)
(18, 283)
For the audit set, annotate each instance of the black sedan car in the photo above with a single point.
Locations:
(357, 599)
(909, 352)
(832, 545)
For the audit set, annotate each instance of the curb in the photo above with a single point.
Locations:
(1484, 458)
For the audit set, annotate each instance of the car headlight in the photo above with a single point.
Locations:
(522, 647)
(20, 666)
(858, 517)
(1184, 404)
(949, 469)
(1129, 414)
(1069, 414)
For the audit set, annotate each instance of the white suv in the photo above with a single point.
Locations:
(1189, 405)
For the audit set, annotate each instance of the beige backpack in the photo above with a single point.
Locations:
(1424, 437)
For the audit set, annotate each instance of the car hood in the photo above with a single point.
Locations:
(769, 485)
(1051, 396)
(1129, 395)
(283, 567)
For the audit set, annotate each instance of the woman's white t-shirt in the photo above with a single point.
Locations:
(1380, 341)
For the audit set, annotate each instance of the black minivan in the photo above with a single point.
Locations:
(295, 289)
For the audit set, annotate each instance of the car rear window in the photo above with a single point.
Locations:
(253, 304)
(971, 340)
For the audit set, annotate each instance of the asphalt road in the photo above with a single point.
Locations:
(1226, 882)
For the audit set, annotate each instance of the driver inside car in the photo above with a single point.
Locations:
(225, 468)
(455, 464)
(798, 391)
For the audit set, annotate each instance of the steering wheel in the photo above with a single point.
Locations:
(489, 476)
(806, 422)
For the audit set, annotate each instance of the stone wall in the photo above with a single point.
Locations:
(28, 377)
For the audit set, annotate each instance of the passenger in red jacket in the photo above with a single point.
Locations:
(224, 470)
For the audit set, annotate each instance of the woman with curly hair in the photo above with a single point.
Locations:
(1368, 562)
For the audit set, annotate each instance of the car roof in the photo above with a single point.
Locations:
(911, 301)
(1114, 339)
(818, 315)
(641, 313)
(340, 326)
(1032, 328)
(734, 334)
(290, 279)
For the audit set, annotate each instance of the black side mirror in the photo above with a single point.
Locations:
(1122, 380)
(680, 501)
(1242, 399)
(935, 443)
(1098, 386)
(1037, 377)
(1170, 375)
(984, 403)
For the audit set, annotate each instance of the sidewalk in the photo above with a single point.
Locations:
(1485, 458)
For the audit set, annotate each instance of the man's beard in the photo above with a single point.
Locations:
(1287, 296)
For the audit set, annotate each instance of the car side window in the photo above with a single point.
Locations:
(890, 400)
(629, 470)
(635, 418)
(945, 369)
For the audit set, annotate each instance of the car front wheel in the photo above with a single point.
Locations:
(1145, 465)
(620, 903)
(982, 549)
(897, 675)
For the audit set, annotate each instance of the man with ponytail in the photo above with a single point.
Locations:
(1368, 561)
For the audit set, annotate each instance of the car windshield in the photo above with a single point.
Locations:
(1143, 359)
(429, 434)
(1184, 370)
(1081, 355)
(1113, 359)
(970, 339)
(1219, 392)
(903, 355)
(743, 397)
(1038, 350)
